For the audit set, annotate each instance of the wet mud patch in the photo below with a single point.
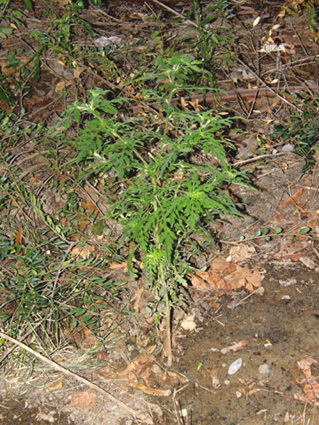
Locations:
(281, 329)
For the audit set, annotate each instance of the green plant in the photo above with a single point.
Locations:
(43, 288)
(302, 133)
(213, 37)
(164, 195)
(51, 290)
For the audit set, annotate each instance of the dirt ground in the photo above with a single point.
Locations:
(271, 329)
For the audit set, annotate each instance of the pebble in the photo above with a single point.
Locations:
(235, 366)
(265, 372)
(288, 282)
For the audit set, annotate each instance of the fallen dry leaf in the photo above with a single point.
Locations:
(78, 71)
(293, 200)
(253, 280)
(83, 251)
(235, 347)
(189, 323)
(308, 262)
(209, 280)
(56, 385)
(84, 399)
(292, 257)
(60, 86)
(19, 236)
(137, 299)
(90, 338)
(309, 394)
(241, 252)
(152, 391)
(292, 250)
(305, 366)
(115, 266)
(225, 276)
(215, 379)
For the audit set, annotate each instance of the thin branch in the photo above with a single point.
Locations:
(268, 87)
(175, 13)
(79, 378)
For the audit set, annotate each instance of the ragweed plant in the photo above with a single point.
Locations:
(166, 196)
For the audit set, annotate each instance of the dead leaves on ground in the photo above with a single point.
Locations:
(145, 374)
(310, 392)
(225, 276)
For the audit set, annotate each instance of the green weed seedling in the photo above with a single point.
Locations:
(165, 198)
(302, 131)
(213, 39)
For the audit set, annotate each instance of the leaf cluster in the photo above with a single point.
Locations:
(165, 195)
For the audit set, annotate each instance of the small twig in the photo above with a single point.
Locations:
(188, 379)
(101, 12)
(32, 169)
(67, 372)
(299, 38)
(8, 351)
(315, 251)
(72, 244)
(258, 85)
(176, 407)
(175, 13)
(36, 111)
(268, 87)
(257, 158)
(233, 305)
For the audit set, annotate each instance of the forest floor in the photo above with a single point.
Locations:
(253, 307)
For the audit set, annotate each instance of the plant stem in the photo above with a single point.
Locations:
(168, 340)
(162, 282)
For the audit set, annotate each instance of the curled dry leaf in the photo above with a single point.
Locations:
(83, 251)
(235, 347)
(305, 366)
(215, 379)
(310, 393)
(189, 323)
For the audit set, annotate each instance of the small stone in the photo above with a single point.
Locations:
(288, 148)
(235, 366)
(308, 262)
(265, 372)
(288, 282)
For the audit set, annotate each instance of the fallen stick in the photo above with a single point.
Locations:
(79, 378)
(230, 95)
